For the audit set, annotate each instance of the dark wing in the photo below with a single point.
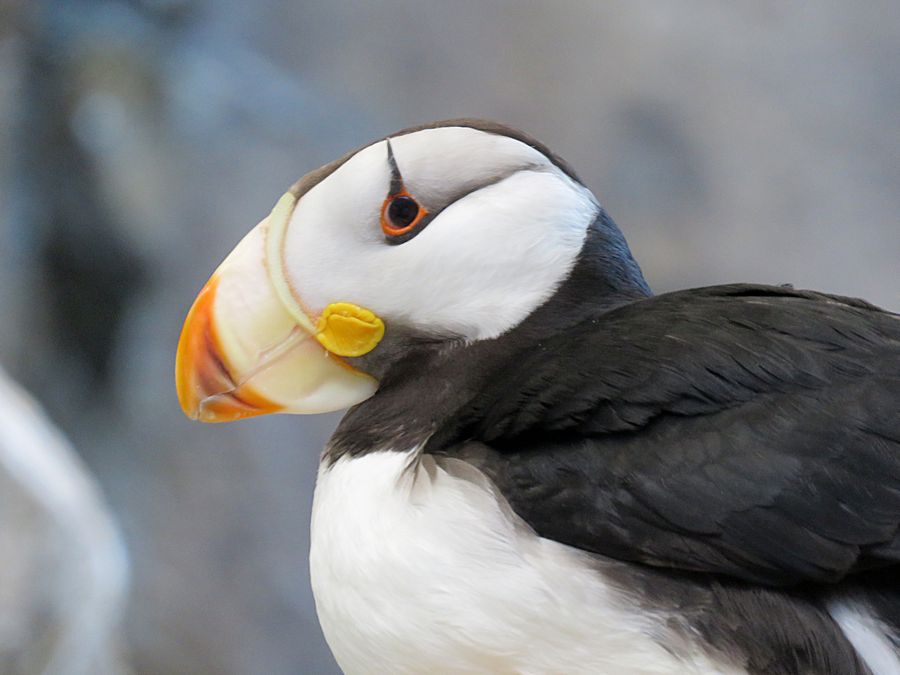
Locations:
(747, 430)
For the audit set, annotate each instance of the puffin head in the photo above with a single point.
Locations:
(454, 232)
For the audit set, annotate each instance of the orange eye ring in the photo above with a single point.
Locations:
(404, 201)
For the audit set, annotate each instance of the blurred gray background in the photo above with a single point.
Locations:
(749, 141)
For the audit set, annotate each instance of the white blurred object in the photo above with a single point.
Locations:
(63, 569)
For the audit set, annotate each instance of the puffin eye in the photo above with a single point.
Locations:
(400, 214)
(402, 211)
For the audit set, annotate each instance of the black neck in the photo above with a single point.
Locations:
(604, 277)
(424, 384)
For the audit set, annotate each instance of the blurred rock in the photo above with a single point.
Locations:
(64, 574)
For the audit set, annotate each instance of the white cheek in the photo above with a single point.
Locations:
(478, 269)
(334, 229)
(493, 257)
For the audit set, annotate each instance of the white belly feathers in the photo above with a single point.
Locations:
(418, 567)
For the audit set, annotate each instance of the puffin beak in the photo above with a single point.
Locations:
(248, 347)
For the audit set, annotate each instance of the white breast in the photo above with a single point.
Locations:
(871, 638)
(418, 567)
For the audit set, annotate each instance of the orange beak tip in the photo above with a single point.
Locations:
(206, 390)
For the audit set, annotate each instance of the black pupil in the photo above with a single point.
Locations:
(402, 211)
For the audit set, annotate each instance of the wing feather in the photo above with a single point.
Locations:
(744, 430)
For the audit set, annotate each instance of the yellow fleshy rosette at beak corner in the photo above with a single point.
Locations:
(248, 347)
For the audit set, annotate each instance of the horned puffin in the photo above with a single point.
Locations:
(545, 468)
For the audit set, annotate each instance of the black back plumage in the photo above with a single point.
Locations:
(744, 430)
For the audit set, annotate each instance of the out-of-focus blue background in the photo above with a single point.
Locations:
(139, 139)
